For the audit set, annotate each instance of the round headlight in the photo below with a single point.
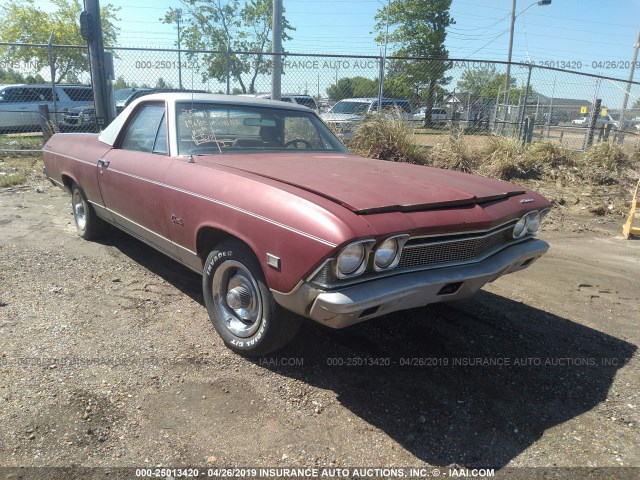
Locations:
(533, 222)
(520, 228)
(350, 258)
(386, 253)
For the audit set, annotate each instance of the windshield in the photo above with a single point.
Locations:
(357, 108)
(207, 128)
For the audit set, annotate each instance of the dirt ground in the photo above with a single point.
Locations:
(108, 358)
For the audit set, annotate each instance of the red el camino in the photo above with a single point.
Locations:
(282, 221)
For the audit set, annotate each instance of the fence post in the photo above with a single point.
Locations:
(526, 97)
(105, 111)
(553, 94)
(45, 124)
(530, 127)
(52, 69)
(592, 123)
(276, 48)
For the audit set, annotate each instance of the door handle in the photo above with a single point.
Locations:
(103, 163)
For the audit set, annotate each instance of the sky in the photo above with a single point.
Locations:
(585, 31)
(589, 36)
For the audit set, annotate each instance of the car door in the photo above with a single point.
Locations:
(131, 177)
(15, 108)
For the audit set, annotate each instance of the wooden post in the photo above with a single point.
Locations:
(45, 123)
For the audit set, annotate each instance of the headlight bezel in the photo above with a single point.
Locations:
(399, 241)
(520, 227)
(523, 227)
(366, 246)
(531, 218)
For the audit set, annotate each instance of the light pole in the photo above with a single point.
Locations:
(383, 60)
(513, 22)
(276, 41)
(627, 92)
(178, 12)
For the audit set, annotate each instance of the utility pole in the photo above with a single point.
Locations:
(178, 18)
(383, 59)
(276, 76)
(91, 31)
(632, 70)
(509, 56)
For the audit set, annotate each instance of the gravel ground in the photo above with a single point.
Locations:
(108, 358)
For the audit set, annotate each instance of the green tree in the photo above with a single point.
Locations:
(23, 21)
(37, 78)
(350, 87)
(11, 77)
(419, 28)
(486, 83)
(229, 25)
(162, 84)
(121, 83)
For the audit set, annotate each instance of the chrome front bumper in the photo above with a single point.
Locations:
(357, 303)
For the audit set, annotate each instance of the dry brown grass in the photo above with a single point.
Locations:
(455, 154)
(12, 180)
(546, 161)
(18, 170)
(387, 137)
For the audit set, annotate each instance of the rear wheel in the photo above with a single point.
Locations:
(88, 225)
(240, 304)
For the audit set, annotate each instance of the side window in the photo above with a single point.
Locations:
(16, 95)
(79, 94)
(144, 129)
(307, 102)
(31, 95)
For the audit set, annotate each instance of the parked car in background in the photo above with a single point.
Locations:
(439, 116)
(83, 118)
(282, 221)
(306, 100)
(345, 115)
(121, 95)
(135, 93)
(19, 104)
(79, 119)
(600, 121)
(606, 120)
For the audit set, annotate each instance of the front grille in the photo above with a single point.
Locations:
(431, 252)
(452, 251)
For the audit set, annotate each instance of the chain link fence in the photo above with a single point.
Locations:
(436, 96)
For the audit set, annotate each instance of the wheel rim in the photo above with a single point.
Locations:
(237, 298)
(79, 210)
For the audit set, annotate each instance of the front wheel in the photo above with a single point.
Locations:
(240, 304)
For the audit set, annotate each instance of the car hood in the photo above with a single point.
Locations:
(367, 186)
(340, 117)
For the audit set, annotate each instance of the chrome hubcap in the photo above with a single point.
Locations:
(79, 213)
(237, 299)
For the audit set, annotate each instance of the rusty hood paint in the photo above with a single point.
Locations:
(367, 186)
